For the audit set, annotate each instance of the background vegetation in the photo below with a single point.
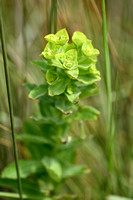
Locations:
(109, 155)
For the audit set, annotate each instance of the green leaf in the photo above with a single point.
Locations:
(63, 36)
(68, 60)
(51, 38)
(89, 70)
(31, 127)
(50, 50)
(67, 47)
(89, 75)
(59, 87)
(48, 120)
(88, 49)
(93, 58)
(26, 167)
(50, 114)
(72, 93)
(53, 168)
(31, 189)
(25, 137)
(55, 62)
(71, 59)
(88, 78)
(51, 77)
(86, 113)
(87, 90)
(74, 171)
(73, 97)
(86, 62)
(43, 65)
(47, 108)
(29, 86)
(73, 73)
(84, 70)
(60, 58)
(64, 106)
(78, 38)
(60, 38)
(38, 91)
(71, 145)
(92, 70)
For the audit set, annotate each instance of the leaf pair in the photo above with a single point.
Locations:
(52, 166)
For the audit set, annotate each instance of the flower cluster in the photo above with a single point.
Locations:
(71, 67)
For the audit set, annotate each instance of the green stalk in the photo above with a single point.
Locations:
(10, 104)
(53, 17)
(110, 121)
(107, 66)
(113, 125)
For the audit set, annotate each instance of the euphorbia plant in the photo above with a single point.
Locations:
(70, 75)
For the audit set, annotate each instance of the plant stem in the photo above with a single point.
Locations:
(10, 104)
(107, 66)
(53, 17)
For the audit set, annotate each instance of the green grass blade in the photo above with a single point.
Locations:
(113, 127)
(107, 66)
(109, 98)
(10, 104)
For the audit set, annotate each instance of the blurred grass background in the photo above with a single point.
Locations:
(26, 23)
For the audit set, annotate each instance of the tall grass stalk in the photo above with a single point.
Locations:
(10, 104)
(53, 17)
(107, 66)
(109, 98)
(113, 126)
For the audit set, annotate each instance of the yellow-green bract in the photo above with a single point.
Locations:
(69, 64)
